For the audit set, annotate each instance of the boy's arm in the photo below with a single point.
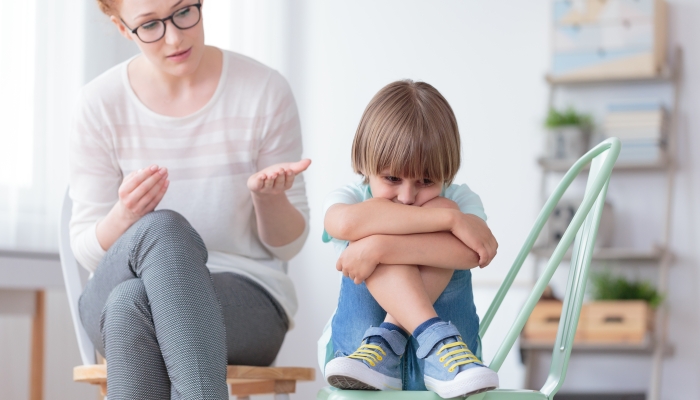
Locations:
(377, 216)
(438, 249)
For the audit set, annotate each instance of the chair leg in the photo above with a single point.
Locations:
(282, 396)
(36, 388)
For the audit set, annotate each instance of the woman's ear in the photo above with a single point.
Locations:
(120, 26)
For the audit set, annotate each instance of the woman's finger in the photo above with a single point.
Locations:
(256, 182)
(269, 181)
(289, 179)
(300, 166)
(138, 177)
(145, 186)
(279, 181)
(159, 196)
(145, 200)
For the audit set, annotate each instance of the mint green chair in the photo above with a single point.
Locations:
(582, 231)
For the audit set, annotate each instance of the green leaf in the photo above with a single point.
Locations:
(605, 286)
(568, 117)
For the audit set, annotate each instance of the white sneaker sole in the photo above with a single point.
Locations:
(345, 373)
(471, 381)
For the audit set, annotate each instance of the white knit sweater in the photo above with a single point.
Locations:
(251, 122)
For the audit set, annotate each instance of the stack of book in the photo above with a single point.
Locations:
(641, 128)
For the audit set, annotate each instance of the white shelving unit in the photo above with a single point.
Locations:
(655, 345)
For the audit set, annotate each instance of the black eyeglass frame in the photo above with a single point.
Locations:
(165, 26)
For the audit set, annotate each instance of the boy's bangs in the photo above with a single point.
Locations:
(414, 156)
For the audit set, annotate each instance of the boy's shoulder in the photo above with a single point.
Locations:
(455, 190)
(468, 201)
(352, 193)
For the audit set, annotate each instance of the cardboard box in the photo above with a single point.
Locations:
(604, 322)
(543, 323)
(625, 321)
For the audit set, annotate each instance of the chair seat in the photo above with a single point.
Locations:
(244, 380)
(329, 393)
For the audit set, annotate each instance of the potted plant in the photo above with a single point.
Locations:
(622, 312)
(605, 286)
(568, 134)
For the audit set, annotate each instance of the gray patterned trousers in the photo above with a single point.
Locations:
(168, 327)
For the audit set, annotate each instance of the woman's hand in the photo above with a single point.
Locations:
(359, 260)
(139, 194)
(141, 191)
(277, 178)
(476, 235)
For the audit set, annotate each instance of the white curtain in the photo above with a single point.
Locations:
(48, 50)
(41, 68)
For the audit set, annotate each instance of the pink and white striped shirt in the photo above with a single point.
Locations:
(250, 122)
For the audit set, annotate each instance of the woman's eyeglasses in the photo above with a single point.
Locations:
(154, 30)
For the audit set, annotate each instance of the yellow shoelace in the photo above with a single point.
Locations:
(462, 353)
(367, 352)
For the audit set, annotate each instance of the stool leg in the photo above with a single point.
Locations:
(36, 389)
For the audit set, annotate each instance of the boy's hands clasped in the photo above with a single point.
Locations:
(475, 234)
(359, 260)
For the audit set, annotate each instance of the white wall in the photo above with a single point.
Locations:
(488, 59)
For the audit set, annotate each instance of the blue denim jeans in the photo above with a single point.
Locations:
(357, 311)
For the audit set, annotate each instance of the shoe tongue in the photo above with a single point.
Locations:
(376, 340)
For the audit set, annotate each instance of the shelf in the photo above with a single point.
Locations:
(611, 254)
(28, 253)
(555, 165)
(647, 346)
(664, 76)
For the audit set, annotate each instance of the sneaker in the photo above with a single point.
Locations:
(451, 370)
(375, 365)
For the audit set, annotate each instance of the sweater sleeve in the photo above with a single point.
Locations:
(280, 141)
(94, 179)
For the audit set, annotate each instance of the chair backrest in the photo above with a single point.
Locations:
(584, 229)
(73, 281)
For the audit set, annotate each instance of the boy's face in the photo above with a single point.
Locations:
(413, 192)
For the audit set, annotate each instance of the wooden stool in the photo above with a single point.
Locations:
(244, 380)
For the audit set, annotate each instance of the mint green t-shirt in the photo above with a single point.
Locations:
(468, 202)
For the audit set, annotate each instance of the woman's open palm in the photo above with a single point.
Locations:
(277, 178)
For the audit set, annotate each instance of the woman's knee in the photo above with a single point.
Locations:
(167, 226)
(163, 220)
(127, 303)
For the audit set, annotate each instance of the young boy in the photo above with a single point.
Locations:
(407, 238)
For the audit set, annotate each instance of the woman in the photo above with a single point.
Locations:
(212, 139)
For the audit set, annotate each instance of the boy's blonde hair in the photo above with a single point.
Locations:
(409, 129)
